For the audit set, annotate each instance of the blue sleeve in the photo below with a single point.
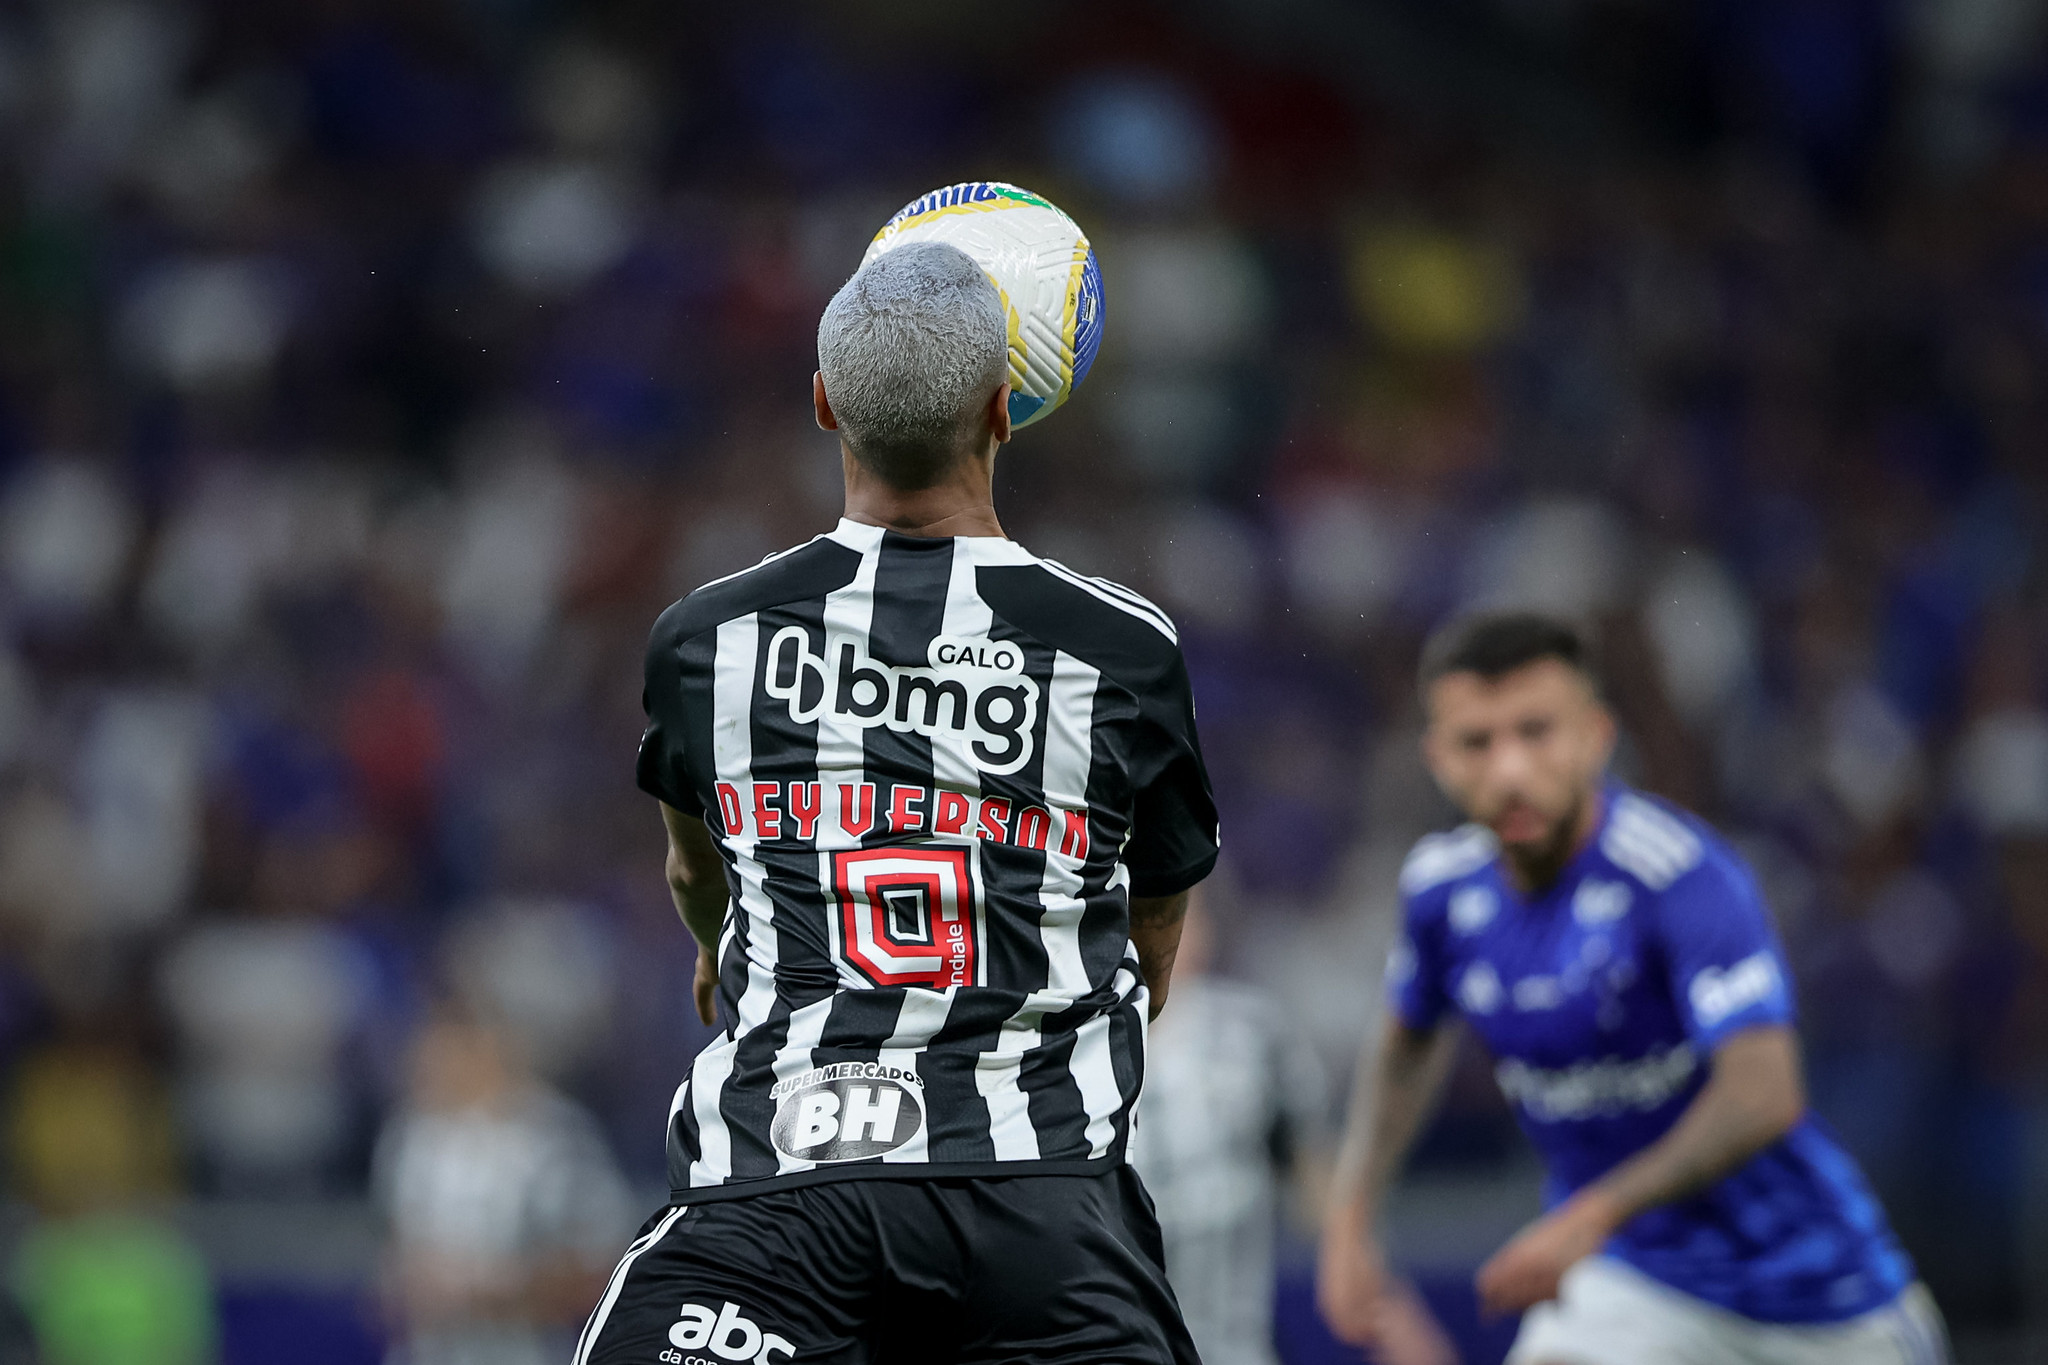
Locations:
(1727, 972)
(1415, 968)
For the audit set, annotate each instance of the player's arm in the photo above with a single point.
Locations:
(1396, 1090)
(1172, 843)
(696, 881)
(1753, 1097)
(1155, 932)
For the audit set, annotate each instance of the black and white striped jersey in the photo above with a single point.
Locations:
(936, 770)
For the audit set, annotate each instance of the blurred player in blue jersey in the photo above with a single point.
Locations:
(1615, 957)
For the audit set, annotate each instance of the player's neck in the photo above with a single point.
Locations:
(961, 504)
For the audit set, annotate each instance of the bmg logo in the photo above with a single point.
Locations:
(974, 694)
(726, 1335)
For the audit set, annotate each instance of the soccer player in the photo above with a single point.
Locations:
(934, 806)
(1615, 957)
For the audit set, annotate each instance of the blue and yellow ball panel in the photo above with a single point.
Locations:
(1043, 268)
(1087, 320)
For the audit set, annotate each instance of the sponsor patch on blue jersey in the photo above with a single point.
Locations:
(1602, 999)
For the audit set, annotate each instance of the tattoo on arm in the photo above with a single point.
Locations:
(1393, 1095)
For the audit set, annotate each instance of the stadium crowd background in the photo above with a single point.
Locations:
(371, 374)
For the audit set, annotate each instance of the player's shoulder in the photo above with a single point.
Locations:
(1102, 623)
(813, 569)
(1662, 845)
(1440, 861)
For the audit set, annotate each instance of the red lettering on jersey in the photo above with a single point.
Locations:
(994, 819)
(767, 819)
(901, 816)
(806, 799)
(1074, 839)
(729, 809)
(1032, 827)
(950, 813)
(860, 823)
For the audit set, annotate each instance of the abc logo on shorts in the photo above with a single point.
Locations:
(728, 1336)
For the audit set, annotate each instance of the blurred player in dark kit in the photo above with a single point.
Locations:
(934, 807)
(1616, 958)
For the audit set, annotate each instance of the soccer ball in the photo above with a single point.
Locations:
(1041, 265)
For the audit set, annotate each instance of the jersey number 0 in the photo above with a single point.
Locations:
(906, 915)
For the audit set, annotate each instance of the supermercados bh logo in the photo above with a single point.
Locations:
(848, 1111)
(975, 691)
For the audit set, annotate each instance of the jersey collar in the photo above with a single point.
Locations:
(857, 535)
(866, 539)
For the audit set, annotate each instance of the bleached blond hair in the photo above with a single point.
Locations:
(911, 348)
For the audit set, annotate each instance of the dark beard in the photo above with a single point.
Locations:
(1539, 866)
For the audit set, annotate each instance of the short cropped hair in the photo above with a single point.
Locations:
(1494, 644)
(910, 349)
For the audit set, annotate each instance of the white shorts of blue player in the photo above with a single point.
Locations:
(1608, 1313)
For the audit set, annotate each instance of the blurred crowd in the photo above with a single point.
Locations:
(372, 374)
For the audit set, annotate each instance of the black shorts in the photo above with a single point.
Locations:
(1002, 1270)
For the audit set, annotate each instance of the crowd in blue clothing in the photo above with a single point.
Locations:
(372, 374)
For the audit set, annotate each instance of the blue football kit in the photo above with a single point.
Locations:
(1602, 999)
